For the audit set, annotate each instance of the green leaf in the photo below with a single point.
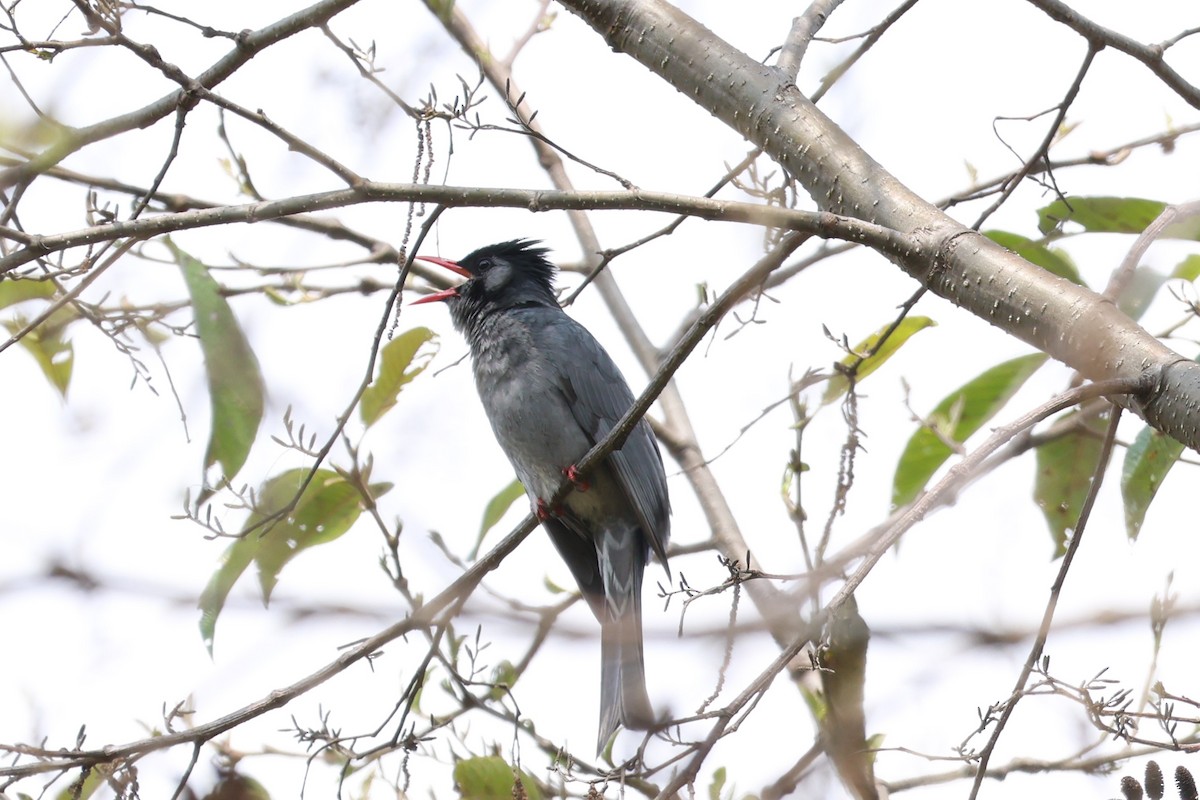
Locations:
(718, 784)
(236, 786)
(815, 700)
(1050, 259)
(235, 384)
(233, 563)
(1065, 470)
(965, 410)
(875, 745)
(396, 369)
(420, 690)
(1147, 462)
(495, 510)
(1065, 467)
(1113, 215)
(491, 778)
(13, 291)
(85, 786)
(504, 676)
(456, 643)
(443, 9)
(1188, 269)
(48, 345)
(839, 384)
(327, 508)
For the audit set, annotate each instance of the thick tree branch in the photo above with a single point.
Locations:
(1071, 323)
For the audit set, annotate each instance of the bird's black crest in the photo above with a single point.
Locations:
(504, 276)
(524, 254)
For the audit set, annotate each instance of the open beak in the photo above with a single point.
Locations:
(445, 294)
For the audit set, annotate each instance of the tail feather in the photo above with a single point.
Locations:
(623, 697)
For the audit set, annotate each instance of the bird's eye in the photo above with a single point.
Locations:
(485, 264)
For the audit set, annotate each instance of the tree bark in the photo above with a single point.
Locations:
(1067, 321)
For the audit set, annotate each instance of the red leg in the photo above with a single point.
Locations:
(578, 480)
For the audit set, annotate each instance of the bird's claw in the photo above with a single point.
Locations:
(544, 512)
(576, 479)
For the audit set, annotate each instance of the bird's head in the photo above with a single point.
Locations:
(499, 276)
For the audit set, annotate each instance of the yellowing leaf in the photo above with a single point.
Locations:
(839, 384)
(1188, 269)
(13, 291)
(48, 345)
(491, 778)
(396, 369)
(496, 508)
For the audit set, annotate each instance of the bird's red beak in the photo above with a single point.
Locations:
(437, 297)
(445, 294)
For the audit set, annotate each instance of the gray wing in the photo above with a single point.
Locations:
(600, 397)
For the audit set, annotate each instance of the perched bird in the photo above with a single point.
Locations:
(551, 392)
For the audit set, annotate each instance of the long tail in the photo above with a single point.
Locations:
(623, 698)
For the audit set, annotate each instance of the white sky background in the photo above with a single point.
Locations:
(93, 483)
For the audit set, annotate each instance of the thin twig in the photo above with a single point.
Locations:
(1124, 273)
(820, 223)
(1043, 149)
(1150, 55)
(1039, 642)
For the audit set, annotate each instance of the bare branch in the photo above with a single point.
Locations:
(37, 246)
(1099, 36)
(249, 44)
(804, 28)
(1039, 642)
(1043, 150)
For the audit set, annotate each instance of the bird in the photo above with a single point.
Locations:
(551, 392)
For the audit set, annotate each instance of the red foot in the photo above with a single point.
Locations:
(575, 478)
(543, 512)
